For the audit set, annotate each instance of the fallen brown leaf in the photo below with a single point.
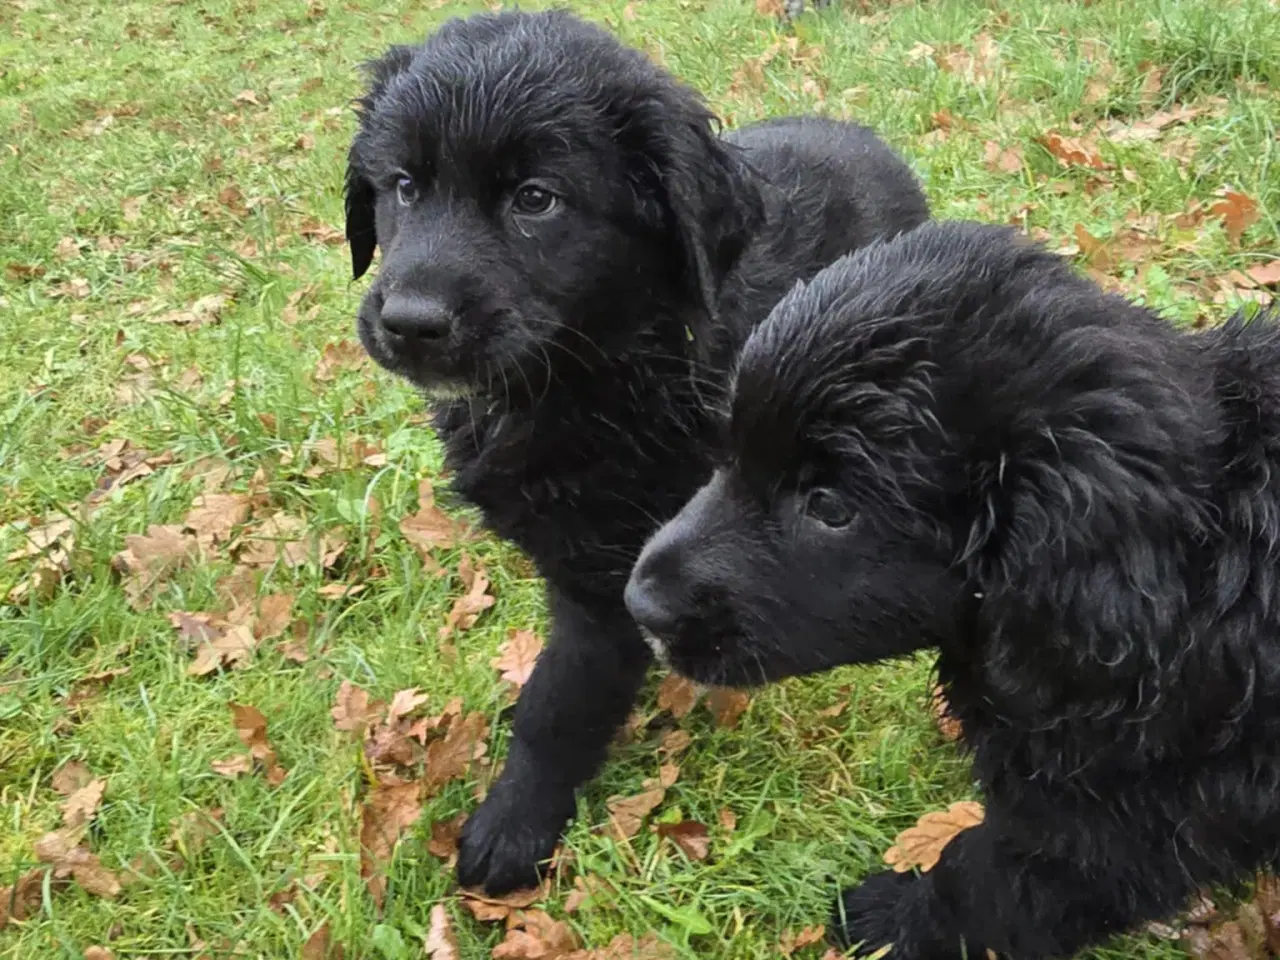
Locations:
(450, 757)
(1002, 159)
(517, 656)
(468, 607)
(1238, 212)
(1073, 151)
(251, 727)
(444, 837)
(677, 695)
(233, 765)
(791, 942)
(317, 945)
(626, 947)
(690, 836)
(440, 942)
(70, 777)
(728, 819)
(149, 559)
(430, 528)
(337, 357)
(922, 845)
(79, 808)
(388, 810)
(488, 909)
(947, 725)
(23, 898)
(207, 309)
(231, 646)
(275, 611)
(1265, 274)
(98, 953)
(213, 516)
(675, 741)
(351, 710)
(535, 935)
(727, 705)
(626, 814)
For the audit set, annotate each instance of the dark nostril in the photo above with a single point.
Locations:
(646, 605)
(418, 316)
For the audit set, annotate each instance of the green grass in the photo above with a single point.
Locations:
(128, 129)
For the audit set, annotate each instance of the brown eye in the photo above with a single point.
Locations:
(532, 200)
(828, 508)
(406, 190)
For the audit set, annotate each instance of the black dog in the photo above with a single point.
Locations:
(952, 440)
(571, 258)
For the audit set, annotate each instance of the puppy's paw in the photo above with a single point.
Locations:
(506, 843)
(887, 908)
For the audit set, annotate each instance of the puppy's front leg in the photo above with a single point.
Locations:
(581, 691)
(997, 888)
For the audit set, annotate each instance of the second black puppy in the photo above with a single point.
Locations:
(571, 256)
(953, 440)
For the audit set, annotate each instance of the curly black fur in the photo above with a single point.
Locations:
(952, 440)
(571, 257)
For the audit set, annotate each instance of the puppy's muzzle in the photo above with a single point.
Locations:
(417, 317)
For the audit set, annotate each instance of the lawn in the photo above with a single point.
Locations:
(207, 498)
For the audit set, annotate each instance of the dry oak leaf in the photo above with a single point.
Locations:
(149, 559)
(1002, 159)
(351, 710)
(205, 310)
(1073, 151)
(79, 808)
(626, 814)
(336, 357)
(1265, 274)
(677, 695)
(61, 849)
(275, 611)
(450, 756)
(430, 527)
(468, 607)
(251, 726)
(23, 898)
(317, 945)
(70, 777)
(517, 656)
(727, 705)
(626, 947)
(213, 516)
(98, 953)
(921, 845)
(1238, 211)
(791, 942)
(231, 647)
(536, 935)
(947, 725)
(675, 741)
(389, 809)
(690, 836)
(444, 837)
(41, 538)
(487, 909)
(233, 765)
(440, 943)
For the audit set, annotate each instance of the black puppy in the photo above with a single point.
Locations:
(952, 440)
(570, 258)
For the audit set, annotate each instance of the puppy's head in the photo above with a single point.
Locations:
(937, 434)
(538, 192)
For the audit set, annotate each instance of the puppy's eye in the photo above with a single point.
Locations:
(406, 190)
(828, 508)
(533, 200)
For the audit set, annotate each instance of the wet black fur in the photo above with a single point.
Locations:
(1078, 506)
(584, 345)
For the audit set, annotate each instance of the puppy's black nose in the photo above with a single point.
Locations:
(417, 316)
(647, 606)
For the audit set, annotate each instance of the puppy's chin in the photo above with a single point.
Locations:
(731, 668)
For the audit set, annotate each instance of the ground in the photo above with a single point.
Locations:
(174, 277)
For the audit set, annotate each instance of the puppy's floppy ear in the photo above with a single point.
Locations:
(358, 191)
(707, 188)
(1083, 524)
(361, 233)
